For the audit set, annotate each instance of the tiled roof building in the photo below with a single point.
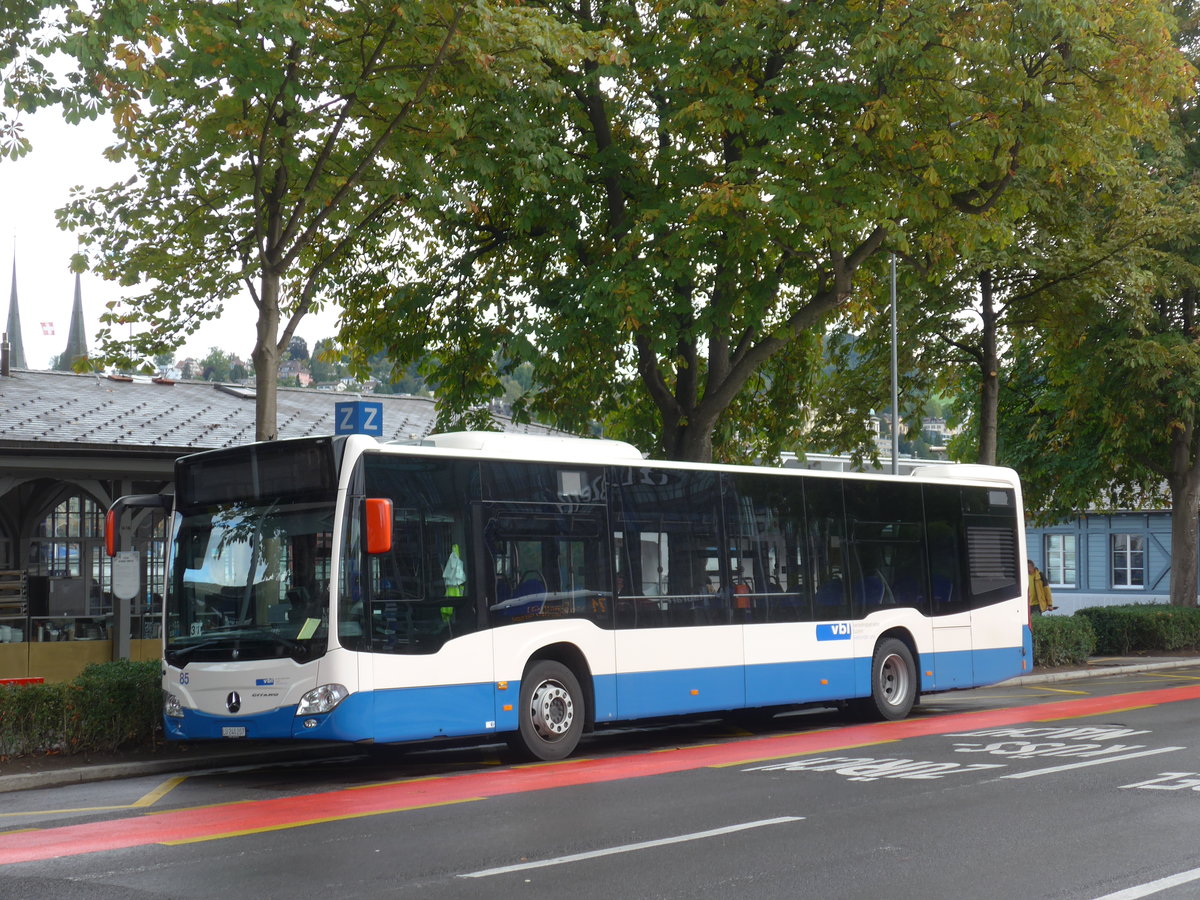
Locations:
(71, 444)
(94, 412)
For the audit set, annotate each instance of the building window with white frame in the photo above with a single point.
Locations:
(1061, 560)
(1128, 561)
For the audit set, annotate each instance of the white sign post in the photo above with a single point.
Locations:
(126, 574)
(126, 584)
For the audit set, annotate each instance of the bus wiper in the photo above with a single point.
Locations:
(190, 648)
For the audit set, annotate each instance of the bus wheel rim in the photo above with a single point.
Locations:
(893, 679)
(552, 710)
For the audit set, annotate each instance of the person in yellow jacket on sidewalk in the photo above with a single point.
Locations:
(1040, 598)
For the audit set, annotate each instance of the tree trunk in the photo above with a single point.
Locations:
(690, 443)
(1185, 526)
(1183, 548)
(266, 359)
(989, 362)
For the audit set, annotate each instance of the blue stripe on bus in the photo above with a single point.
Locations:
(455, 710)
(679, 691)
(992, 666)
(951, 669)
(776, 684)
(413, 714)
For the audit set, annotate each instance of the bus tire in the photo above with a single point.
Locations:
(551, 712)
(893, 682)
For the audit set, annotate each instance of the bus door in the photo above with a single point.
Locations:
(768, 565)
(548, 581)
(952, 656)
(419, 624)
(678, 648)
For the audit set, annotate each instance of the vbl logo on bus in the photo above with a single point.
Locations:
(838, 631)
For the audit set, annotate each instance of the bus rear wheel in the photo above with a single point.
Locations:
(893, 682)
(551, 712)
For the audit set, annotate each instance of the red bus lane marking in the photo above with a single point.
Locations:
(249, 817)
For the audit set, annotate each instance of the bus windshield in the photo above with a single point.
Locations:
(250, 582)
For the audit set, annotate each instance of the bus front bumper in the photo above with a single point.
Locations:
(349, 721)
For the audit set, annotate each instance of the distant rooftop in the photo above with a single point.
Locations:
(40, 408)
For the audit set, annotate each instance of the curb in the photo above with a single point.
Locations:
(200, 762)
(1101, 670)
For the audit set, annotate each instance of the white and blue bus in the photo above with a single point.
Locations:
(480, 584)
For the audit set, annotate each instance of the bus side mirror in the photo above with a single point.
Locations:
(112, 518)
(378, 525)
(110, 532)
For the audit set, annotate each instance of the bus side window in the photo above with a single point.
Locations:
(826, 519)
(993, 566)
(943, 527)
(765, 527)
(669, 523)
(886, 534)
(548, 563)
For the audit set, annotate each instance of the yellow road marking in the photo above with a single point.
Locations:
(573, 761)
(159, 792)
(317, 821)
(972, 700)
(1059, 690)
(146, 800)
(1092, 715)
(48, 812)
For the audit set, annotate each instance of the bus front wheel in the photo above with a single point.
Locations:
(893, 682)
(551, 712)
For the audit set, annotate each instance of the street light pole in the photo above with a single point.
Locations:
(895, 382)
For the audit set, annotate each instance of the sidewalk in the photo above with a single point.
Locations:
(1098, 666)
(59, 771)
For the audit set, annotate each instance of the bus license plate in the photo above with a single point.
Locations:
(233, 731)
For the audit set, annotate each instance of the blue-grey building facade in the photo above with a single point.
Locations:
(1105, 559)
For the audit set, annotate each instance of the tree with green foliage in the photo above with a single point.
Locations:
(277, 146)
(1103, 408)
(28, 79)
(297, 349)
(667, 240)
(326, 364)
(164, 361)
(217, 366)
(390, 381)
(1107, 418)
(1076, 237)
(1085, 237)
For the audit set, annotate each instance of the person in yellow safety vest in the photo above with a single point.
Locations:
(454, 575)
(1040, 598)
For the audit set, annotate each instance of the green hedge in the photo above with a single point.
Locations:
(1062, 640)
(108, 706)
(1143, 627)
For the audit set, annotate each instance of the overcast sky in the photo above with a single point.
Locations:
(31, 189)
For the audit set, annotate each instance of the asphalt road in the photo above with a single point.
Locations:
(1083, 789)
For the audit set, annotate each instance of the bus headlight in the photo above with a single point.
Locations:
(171, 706)
(322, 699)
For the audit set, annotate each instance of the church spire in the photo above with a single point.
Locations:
(16, 352)
(77, 339)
